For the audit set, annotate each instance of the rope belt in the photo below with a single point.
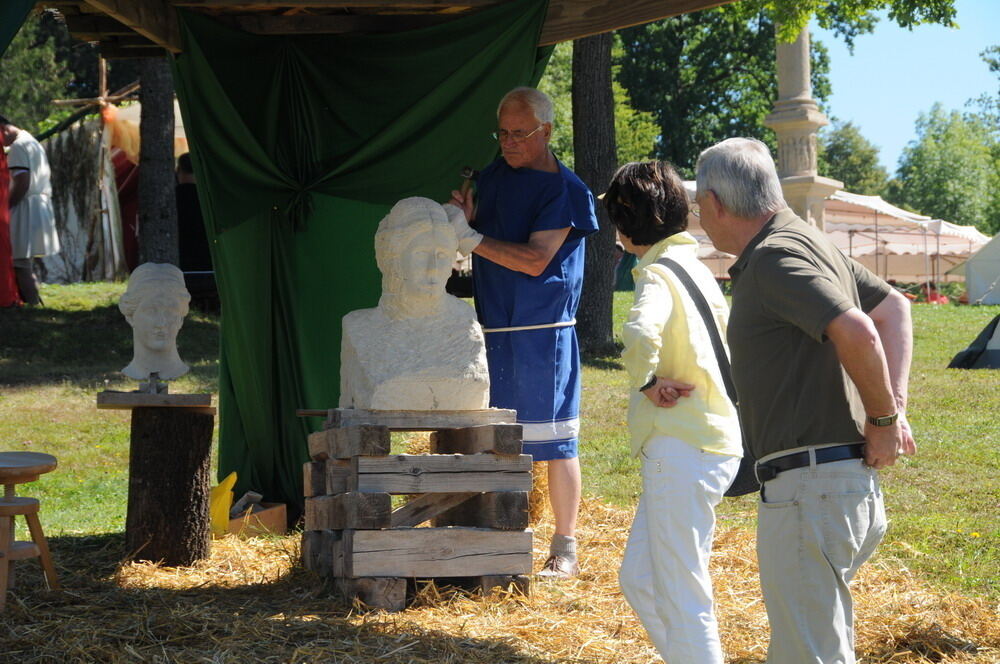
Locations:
(520, 328)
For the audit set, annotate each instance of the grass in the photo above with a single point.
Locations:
(944, 503)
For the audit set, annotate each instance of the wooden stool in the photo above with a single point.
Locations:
(20, 468)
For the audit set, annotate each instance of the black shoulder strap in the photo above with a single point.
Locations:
(713, 329)
(746, 477)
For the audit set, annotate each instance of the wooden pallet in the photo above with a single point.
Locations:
(473, 488)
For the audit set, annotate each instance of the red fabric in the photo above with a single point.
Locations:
(127, 181)
(9, 296)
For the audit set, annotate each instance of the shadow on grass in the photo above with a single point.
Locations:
(603, 362)
(40, 346)
(293, 618)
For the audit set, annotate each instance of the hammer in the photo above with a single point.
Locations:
(469, 174)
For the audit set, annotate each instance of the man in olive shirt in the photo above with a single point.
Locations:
(820, 355)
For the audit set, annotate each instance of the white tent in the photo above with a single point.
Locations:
(982, 273)
(891, 242)
(895, 243)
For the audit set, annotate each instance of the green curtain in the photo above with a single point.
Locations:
(12, 15)
(300, 146)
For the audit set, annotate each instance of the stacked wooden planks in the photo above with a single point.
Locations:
(473, 488)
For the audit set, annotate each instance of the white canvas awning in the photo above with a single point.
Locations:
(890, 241)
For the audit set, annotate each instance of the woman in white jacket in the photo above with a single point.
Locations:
(681, 422)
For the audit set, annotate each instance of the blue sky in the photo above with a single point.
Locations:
(895, 74)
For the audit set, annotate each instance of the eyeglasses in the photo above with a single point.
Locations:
(517, 136)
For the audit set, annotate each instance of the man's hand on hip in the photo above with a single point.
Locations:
(883, 444)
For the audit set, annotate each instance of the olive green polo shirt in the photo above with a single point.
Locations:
(789, 284)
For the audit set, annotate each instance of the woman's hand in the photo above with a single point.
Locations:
(665, 393)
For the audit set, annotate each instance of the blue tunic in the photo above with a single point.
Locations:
(536, 372)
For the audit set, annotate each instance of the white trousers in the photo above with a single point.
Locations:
(664, 574)
(815, 527)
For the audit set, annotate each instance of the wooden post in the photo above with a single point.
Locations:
(157, 202)
(168, 487)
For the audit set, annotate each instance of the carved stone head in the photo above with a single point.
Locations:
(415, 247)
(154, 304)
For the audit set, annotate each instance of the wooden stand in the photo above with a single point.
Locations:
(473, 488)
(169, 479)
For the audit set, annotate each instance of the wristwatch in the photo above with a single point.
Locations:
(652, 382)
(884, 420)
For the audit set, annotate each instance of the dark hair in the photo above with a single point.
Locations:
(4, 120)
(184, 163)
(646, 202)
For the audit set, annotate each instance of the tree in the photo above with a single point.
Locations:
(707, 76)
(30, 78)
(850, 18)
(594, 147)
(635, 130)
(949, 171)
(157, 204)
(846, 155)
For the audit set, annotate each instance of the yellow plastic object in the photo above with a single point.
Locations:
(219, 501)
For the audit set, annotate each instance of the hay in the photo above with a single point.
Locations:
(252, 602)
(538, 498)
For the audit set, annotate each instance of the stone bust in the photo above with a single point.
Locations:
(154, 304)
(420, 348)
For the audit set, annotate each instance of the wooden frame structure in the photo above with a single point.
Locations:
(138, 28)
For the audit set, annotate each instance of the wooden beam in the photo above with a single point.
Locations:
(413, 420)
(440, 473)
(153, 19)
(385, 4)
(94, 27)
(495, 438)
(334, 24)
(573, 19)
(435, 552)
(426, 507)
(349, 441)
(364, 511)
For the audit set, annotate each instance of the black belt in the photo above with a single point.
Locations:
(768, 470)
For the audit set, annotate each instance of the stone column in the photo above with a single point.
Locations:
(795, 119)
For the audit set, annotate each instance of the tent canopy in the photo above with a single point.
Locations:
(890, 241)
(142, 27)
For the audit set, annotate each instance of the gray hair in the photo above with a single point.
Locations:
(741, 173)
(154, 279)
(536, 100)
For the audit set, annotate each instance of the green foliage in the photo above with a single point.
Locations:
(850, 18)
(30, 78)
(635, 131)
(846, 155)
(950, 170)
(557, 83)
(81, 59)
(707, 76)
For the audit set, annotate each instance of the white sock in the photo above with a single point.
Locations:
(563, 546)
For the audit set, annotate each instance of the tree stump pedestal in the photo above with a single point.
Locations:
(473, 488)
(169, 475)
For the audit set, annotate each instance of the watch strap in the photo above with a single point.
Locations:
(883, 421)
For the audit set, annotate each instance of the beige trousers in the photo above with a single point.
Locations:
(815, 527)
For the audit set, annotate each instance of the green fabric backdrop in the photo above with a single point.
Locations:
(300, 146)
(12, 15)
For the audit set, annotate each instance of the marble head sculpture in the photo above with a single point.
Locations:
(420, 348)
(154, 304)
